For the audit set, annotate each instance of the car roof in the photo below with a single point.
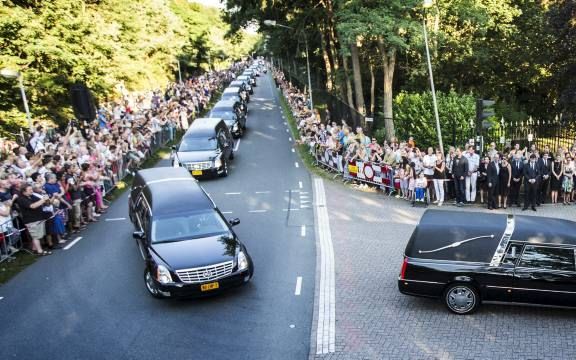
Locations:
(202, 126)
(232, 89)
(227, 104)
(171, 190)
(439, 232)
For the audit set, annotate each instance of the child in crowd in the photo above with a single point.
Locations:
(409, 177)
(420, 188)
(399, 178)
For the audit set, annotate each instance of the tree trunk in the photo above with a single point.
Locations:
(357, 78)
(349, 96)
(389, 63)
(372, 89)
(326, 58)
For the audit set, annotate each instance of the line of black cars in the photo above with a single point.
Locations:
(189, 248)
(465, 259)
(208, 145)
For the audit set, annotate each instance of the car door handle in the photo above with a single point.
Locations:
(524, 276)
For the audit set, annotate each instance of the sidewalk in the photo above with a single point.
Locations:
(374, 321)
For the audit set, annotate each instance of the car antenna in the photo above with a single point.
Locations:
(456, 244)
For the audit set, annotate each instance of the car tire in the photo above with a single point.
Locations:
(151, 286)
(462, 298)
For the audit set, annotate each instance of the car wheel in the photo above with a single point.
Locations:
(151, 286)
(461, 298)
(225, 172)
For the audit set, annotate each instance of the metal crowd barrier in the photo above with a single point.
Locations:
(10, 241)
(363, 171)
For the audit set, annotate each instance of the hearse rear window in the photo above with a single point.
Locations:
(548, 258)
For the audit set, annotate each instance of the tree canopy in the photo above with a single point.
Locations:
(104, 43)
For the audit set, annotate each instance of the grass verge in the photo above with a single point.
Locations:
(302, 149)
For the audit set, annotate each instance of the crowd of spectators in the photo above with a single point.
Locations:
(53, 184)
(497, 179)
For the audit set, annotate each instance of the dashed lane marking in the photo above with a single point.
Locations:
(115, 219)
(257, 211)
(298, 289)
(73, 243)
(293, 150)
(303, 230)
(237, 146)
(289, 139)
(226, 212)
(296, 164)
(262, 192)
(300, 183)
(233, 193)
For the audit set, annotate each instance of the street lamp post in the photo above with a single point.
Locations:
(179, 71)
(13, 74)
(428, 4)
(274, 23)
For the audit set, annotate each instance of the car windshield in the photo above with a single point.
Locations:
(222, 114)
(228, 96)
(197, 144)
(188, 226)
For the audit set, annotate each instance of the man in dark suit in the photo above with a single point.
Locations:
(531, 176)
(460, 171)
(493, 173)
(517, 166)
(545, 165)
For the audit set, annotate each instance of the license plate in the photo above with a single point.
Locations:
(196, 172)
(209, 286)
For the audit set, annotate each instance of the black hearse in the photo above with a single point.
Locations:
(251, 76)
(205, 149)
(228, 110)
(243, 88)
(188, 246)
(234, 94)
(248, 81)
(468, 258)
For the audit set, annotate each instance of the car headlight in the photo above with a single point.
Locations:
(163, 275)
(217, 162)
(242, 261)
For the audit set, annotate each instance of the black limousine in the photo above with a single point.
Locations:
(189, 249)
(468, 258)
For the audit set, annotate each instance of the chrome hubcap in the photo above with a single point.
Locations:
(461, 299)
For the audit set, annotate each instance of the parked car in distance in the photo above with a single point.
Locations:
(235, 119)
(206, 148)
(468, 258)
(189, 248)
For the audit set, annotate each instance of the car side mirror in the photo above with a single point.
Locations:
(234, 222)
(140, 235)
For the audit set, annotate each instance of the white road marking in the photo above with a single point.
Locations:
(73, 243)
(233, 193)
(304, 207)
(257, 211)
(296, 164)
(304, 201)
(293, 150)
(262, 192)
(285, 123)
(303, 192)
(1, 298)
(300, 184)
(237, 145)
(298, 286)
(303, 231)
(326, 331)
(115, 219)
(289, 139)
(226, 212)
(290, 209)
(303, 196)
(292, 326)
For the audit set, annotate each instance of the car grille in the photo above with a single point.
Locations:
(205, 273)
(204, 165)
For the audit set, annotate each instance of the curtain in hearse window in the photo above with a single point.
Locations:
(540, 257)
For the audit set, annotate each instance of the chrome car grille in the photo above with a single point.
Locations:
(205, 273)
(204, 165)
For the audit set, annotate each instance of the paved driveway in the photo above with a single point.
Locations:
(374, 321)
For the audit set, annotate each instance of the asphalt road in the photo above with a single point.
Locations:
(89, 302)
